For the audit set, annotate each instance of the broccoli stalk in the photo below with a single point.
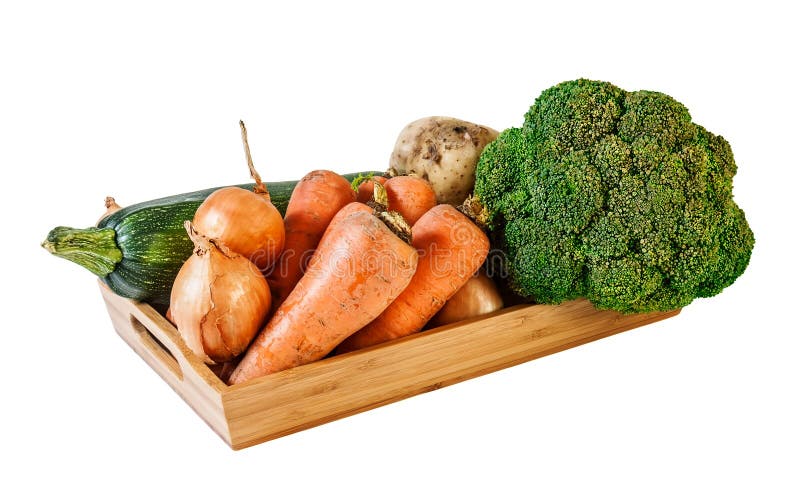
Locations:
(614, 196)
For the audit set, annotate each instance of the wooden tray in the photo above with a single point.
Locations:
(310, 395)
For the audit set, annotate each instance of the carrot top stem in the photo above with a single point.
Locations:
(379, 195)
(259, 188)
(361, 178)
(475, 211)
(396, 223)
(392, 219)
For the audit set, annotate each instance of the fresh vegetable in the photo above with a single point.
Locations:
(410, 196)
(359, 268)
(245, 221)
(365, 186)
(451, 249)
(442, 151)
(479, 296)
(347, 210)
(616, 196)
(138, 250)
(314, 202)
(260, 239)
(219, 301)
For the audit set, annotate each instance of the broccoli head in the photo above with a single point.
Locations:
(614, 196)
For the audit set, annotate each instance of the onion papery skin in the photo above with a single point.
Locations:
(244, 221)
(219, 302)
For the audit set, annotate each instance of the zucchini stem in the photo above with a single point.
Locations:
(93, 248)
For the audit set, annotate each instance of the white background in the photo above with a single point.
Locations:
(142, 101)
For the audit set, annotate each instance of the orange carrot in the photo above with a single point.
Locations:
(451, 248)
(315, 200)
(351, 208)
(410, 196)
(359, 268)
(366, 188)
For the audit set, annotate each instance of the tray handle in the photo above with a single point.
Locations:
(170, 347)
(157, 347)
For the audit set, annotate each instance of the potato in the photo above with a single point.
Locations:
(443, 151)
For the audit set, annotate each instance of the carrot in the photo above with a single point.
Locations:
(451, 249)
(406, 194)
(314, 202)
(366, 188)
(410, 196)
(359, 268)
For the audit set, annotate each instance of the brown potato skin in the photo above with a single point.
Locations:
(444, 151)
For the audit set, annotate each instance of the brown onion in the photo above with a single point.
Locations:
(478, 296)
(219, 300)
(245, 221)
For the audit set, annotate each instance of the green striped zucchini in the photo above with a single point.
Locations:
(138, 250)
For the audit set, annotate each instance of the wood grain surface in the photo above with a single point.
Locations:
(306, 396)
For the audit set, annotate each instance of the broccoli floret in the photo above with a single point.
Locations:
(616, 196)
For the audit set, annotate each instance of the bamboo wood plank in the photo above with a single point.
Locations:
(333, 388)
(285, 402)
(182, 371)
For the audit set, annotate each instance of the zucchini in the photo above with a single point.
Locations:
(138, 250)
